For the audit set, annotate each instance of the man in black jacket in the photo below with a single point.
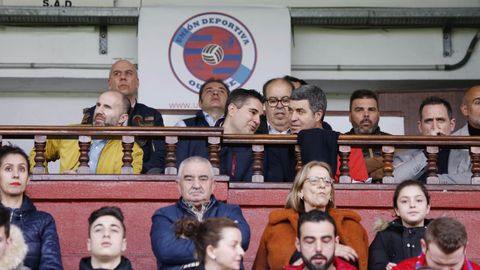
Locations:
(124, 79)
(364, 116)
(106, 241)
(211, 100)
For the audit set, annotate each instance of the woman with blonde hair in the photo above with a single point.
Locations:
(312, 189)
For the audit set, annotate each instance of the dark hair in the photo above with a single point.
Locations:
(408, 183)
(448, 233)
(265, 85)
(107, 211)
(212, 80)
(239, 96)
(203, 233)
(315, 96)
(5, 220)
(317, 216)
(363, 93)
(294, 79)
(434, 100)
(6, 150)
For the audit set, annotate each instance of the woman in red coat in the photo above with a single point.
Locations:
(312, 189)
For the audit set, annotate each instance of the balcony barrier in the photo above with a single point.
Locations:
(215, 136)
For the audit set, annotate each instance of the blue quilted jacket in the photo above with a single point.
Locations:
(40, 235)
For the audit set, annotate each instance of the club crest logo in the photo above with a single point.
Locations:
(212, 45)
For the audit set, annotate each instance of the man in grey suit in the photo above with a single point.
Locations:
(453, 165)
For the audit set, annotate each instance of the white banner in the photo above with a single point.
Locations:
(180, 47)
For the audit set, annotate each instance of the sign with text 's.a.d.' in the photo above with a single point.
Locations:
(244, 47)
(57, 3)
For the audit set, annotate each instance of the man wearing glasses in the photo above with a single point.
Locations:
(279, 162)
(277, 94)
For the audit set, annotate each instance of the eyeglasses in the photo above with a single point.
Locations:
(273, 101)
(315, 180)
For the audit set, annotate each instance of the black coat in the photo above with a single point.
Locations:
(394, 244)
(40, 234)
(86, 264)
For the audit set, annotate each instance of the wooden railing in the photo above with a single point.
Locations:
(214, 136)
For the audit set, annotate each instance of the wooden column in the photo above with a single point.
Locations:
(387, 155)
(344, 152)
(84, 144)
(40, 142)
(475, 157)
(257, 166)
(170, 155)
(432, 168)
(127, 143)
(298, 158)
(214, 153)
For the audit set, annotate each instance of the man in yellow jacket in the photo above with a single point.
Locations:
(105, 155)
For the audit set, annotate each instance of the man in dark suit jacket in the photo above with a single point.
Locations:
(242, 116)
(211, 100)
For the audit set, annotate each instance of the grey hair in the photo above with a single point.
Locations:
(199, 159)
(315, 96)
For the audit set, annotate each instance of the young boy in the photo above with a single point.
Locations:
(106, 241)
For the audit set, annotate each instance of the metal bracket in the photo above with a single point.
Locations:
(447, 42)
(103, 41)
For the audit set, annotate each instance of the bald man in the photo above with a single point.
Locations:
(106, 154)
(124, 79)
(471, 109)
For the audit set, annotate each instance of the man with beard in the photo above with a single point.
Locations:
(105, 155)
(316, 240)
(364, 116)
(124, 79)
(195, 184)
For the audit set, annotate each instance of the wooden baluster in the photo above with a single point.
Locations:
(84, 144)
(40, 142)
(214, 153)
(298, 158)
(432, 165)
(127, 143)
(257, 166)
(387, 155)
(475, 157)
(344, 152)
(170, 155)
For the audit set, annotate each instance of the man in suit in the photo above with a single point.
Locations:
(453, 165)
